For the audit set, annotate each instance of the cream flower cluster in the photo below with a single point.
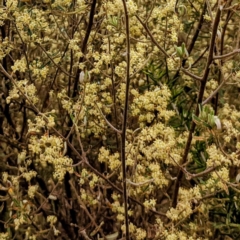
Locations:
(23, 86)
(87, 111)
(88, 178)
(49, 151)
(6, 46)
(32, 190)
(184, 205)
(39, 71)
(216, 157)
(88, 198)
(112, 160)
(210, 87)
(217, 180)
(151, 105)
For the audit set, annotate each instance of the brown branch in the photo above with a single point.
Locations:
(24, 53)
(198, 29)
(58, 66)
(124, 123)
(84, 45)
(193, 41)
(199, 101)
(189, 175)
(215, 92)
(108, 123)
(152, 38)
(200, 56)
(191, 74)
(83, 206)
(121, 190)
(227, 55)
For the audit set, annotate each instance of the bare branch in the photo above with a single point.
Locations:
(191, 74)
(200, 97)
(216, 90)
(152, 38)
(124, 123)
(108, 123)
(236, 51)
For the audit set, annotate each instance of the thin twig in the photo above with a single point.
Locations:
(45, 200)
(227, 55)
(189, 175)
(83, 206)
(152, 38)
(191, 74)
(58, 66)
(83, 232)
(119, 189)
(78, 114)
(150, 12)
(200, 56)
(209, 10)
(216, 90)
(141, 67)
(108, 123)
(124, 123)
(141, 183)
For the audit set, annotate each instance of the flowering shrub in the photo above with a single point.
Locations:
(119, 119)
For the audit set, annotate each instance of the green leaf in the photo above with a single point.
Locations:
(179, 51)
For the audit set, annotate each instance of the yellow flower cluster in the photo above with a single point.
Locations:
(4, 236)
(61, 3)
(23, 86)
(39, 71)
(210, 87)
(87, 111)
(135, 232)
(29, 175)
(184, 206)
(150, 203)
(6, 45)
(11, 5)
(216, 157)
(151, 105)
(157, 141)
(37, 125)
(88, 177)
(66, 101)
(112, 7)
(32, 190)
(88, 198)
(173, 63)
(218, 180)
(51, 219)
(49, 150)
(4, 176)
(111, 160)
(182, 211)
(230, 116)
